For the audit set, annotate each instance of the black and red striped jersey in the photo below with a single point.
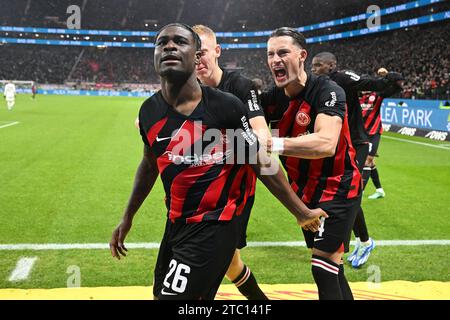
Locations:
(371, 107)
(317, 180)
(243, 88)
(353, 83)
(201, 157)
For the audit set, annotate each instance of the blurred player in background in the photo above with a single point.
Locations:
(210, 74)
(371, 107)
(352, 83)
(9, 94)
(33, 90)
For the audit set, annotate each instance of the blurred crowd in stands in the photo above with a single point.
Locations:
(419, 53)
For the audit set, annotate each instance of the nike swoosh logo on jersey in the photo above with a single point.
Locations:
(162, 139)
(167, 293)
(318, 239)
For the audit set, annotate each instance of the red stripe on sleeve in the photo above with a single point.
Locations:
(154, 130)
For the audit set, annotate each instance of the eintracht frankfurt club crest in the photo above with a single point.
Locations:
(302, 119)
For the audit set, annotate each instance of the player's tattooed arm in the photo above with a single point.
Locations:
(144, 180)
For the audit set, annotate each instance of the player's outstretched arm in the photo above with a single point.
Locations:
(280, 188)
(144, 180)
(262, 131)
(369, 83)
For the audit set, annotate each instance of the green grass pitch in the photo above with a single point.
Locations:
(66, 172)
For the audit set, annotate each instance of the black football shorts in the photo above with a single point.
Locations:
(193, 259)
(335, 231)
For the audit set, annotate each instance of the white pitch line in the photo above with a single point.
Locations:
(417, 142)
(9, 124)
(155, 245)
(23, 269)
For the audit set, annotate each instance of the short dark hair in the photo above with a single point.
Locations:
(198, 42)
(298, 37)
(326, 56)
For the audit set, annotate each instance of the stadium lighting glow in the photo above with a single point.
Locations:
(124, 39)
(146, 24)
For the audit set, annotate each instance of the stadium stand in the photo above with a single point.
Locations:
(420, 53)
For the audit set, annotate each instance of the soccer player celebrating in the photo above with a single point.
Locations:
(210, 74)
(316, 150)
(371, 107)
(9, 94)
(352, 83)
(33, 90)
(205, 184)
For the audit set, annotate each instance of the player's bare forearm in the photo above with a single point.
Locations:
(312, 146)
(280, 188)
(371, 84)
(145, 178)
(320, 144)
(261, 130)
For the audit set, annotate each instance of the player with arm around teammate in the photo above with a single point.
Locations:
(316, 150)
(204, 191)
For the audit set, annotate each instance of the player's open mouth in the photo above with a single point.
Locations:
(280, 73)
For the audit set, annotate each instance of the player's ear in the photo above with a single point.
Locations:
(303, 54)
(218, 50)
(332, 66)
(198, 55)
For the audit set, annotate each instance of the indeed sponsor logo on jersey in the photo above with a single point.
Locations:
(332, 102)
(199, 160)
